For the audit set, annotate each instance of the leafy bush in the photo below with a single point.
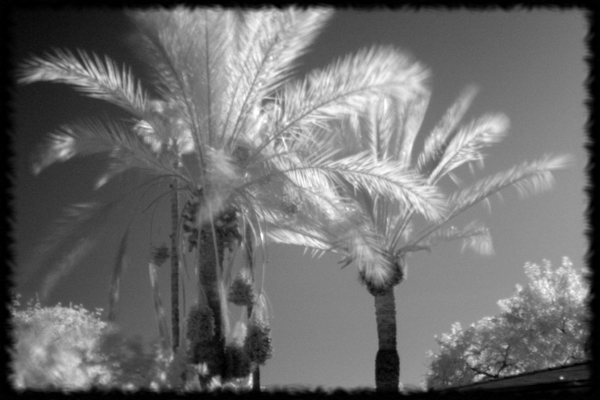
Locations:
(71, 348)
(57, 347)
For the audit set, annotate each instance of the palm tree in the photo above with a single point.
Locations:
(217, 75)
(387, 132)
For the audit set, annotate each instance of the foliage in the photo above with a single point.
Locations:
(543, 325)
(71, 348)
(56, 347)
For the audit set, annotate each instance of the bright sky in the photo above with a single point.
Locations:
(528, 65)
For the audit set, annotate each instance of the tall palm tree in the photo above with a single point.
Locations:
(387, 132)
(217, 75)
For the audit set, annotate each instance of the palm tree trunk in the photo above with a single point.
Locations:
(174, 265)
(387, 362)
(209, 275)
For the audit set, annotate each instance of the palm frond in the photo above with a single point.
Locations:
(347, 86)
(385, 178)
(437, 141)
(474, 236)
(267, 45)
(401, 144)
(466, 145)
(528, 178)
(92, 76)
(70, 239)
(190, 50)
(66, 264)
(294, 236)
(115, 285)
(88, 137)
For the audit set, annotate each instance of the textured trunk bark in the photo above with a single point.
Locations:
(387, 362)
(174, 265)
(209, 264)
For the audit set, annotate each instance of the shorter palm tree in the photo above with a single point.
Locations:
(387, 132)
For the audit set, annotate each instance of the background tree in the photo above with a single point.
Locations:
(387, 131)
(543, 325)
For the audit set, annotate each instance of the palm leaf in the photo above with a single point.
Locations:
(466, 145)
(268, 44)
(57, 253)
(115, 285)
(190, 52)
(528, 178)
(345, 87)
(386, 178)
(437, 141)
(474, 236)
(88, 137)
(92, 76)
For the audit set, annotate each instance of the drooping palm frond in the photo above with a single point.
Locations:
(72, 237)
(474, 236)
(115, 285)
(88, 137)
(90, 75)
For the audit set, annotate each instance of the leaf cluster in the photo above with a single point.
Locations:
(543, 325)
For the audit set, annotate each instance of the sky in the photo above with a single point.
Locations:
(528, 64)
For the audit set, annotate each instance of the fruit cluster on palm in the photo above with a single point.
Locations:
(243, 146)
